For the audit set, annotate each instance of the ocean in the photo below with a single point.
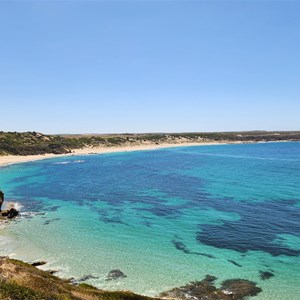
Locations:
(163, 217)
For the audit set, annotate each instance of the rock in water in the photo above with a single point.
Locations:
(38, 263)
(75, 281)
(12, 213)
(240, 288)
(87, 277)
(233, 289)
(115, 274)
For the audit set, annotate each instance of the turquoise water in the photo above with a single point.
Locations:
(163, 217)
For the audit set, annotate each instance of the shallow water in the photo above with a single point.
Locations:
(163, 217)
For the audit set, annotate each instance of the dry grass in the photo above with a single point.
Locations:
(21, 281)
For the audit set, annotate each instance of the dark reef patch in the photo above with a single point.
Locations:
(234, 263)
(113, 215)
(258, 227)
(265, 275)
(182, 247)
(53, 208)
(113, 220)
(51, 221)
(32, 205)
(147, 223)
(163, 210)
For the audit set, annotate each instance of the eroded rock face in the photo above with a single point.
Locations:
(1, 199)
(115, 274)
(233, 289)
(10, 213)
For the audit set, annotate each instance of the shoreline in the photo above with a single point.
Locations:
(7, 160)
(16, 159)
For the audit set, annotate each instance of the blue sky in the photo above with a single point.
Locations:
(149, 66)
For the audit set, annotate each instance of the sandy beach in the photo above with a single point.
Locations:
(14, 159)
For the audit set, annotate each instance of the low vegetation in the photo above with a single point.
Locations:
(30, 143)
(21, 281)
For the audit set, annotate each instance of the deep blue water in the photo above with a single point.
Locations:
(166, 216)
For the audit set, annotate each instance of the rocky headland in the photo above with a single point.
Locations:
(23, 281)
(8, 213)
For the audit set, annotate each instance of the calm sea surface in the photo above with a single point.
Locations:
(162, 217)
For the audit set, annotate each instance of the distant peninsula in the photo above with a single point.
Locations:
(34, 143)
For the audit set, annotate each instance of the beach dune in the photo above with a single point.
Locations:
(14, 159)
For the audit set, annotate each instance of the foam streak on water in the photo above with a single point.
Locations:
(162, 217)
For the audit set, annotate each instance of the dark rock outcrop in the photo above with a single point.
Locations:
(115, 274)
(233, 289)
(209, 279)
(1, 199)
(78, 281)
(87, 277)
(240, 288)
(9, 213)
(38, 263)
(12, 213)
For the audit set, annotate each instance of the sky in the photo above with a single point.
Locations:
(149, 66)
